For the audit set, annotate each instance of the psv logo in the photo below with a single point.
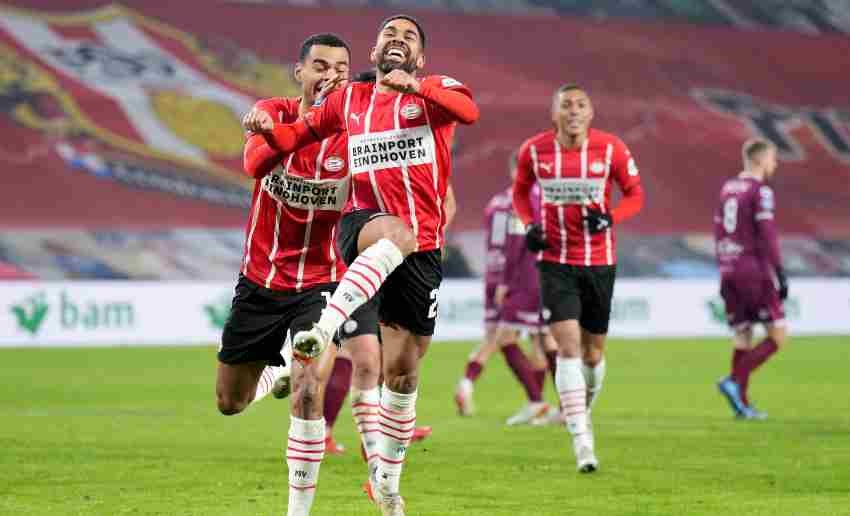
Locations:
(334, 164)
(597, 167)
(411, 111)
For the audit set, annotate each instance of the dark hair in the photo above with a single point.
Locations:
(570, 86)
(366, 76)
(326, 39)
(409, 18)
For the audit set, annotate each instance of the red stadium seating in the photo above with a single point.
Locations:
(651, 84)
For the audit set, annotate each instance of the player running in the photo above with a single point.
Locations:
(752, 282)
(290, 267)
(399, 139)
(575, 167)
(512, 305)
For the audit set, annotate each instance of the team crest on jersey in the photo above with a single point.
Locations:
(334, 164)
(411, 111)
(597, 167)
(448, 82)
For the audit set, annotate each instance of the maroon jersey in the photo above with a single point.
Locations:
(399, 152)
(497, 216)
(744, 228)
(295, 208)
(571, 181)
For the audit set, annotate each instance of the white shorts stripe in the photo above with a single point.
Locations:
(367, 126)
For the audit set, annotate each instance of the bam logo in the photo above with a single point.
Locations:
(218, 311)
(72, 314)
(31, 312)
(775, 122)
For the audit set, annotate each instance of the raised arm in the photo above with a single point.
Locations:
(454, 98)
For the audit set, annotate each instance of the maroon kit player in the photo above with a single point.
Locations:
(512, 305)
(577, 167)
(752, 281)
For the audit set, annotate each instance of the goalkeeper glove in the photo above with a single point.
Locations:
(535, 240)
(598, 221)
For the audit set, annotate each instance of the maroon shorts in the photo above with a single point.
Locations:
(750, 299)
(521, 309)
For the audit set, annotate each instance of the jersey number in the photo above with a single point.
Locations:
(432, 310)
(730, 215)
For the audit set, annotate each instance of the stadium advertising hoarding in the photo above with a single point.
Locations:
(177, 313)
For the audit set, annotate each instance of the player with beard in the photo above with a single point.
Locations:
(290, 267)
(399, 139)
(576, 167)
(752, 281)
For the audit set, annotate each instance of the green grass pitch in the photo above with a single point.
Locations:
(135, 431)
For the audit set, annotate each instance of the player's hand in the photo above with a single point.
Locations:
(329, 86)
(500, 294)
(402, 81)
(257, 121)
(598, 221)
(535, 240)
(783, 283)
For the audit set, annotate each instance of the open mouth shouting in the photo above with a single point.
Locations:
(397, 52)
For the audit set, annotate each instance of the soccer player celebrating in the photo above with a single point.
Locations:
(512, 304)
(575, 167)
(290, 266)
(399, 138)
(752, 282)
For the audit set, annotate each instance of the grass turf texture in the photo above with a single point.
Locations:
(136, 431)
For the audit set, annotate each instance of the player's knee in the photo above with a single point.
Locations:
(230, 405)
(403, 238)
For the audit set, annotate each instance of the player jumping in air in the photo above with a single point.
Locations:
(399, 137)
(752, 282)
(576, 167)
(290, 267)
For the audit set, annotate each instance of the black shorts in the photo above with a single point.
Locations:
(578, 292)
(261, 320)
(408, 297)
(364, 321)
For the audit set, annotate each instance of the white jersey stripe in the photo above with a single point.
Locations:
(405, 175)
(346, 112)
(273, 269)
(533, 152)
(609, 248)
(299, 278)
(561, 224)
(254, 217)
(435, 174)
(584, 208)
(367, 125)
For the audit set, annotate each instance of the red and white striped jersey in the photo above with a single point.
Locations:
(290, 243)
(399, 152)
(570, 182)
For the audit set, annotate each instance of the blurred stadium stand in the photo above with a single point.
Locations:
(121, 148)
